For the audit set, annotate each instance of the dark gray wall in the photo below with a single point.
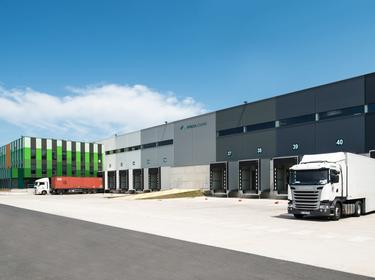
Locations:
(301, 135)
(351, 130)
(370, 132)
(258, 112)
(341, 94)
(296, 104)
(370, 88)
(245, 145)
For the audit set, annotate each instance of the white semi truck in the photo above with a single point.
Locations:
(332, 185)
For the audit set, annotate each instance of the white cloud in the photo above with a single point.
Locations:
(92, 112)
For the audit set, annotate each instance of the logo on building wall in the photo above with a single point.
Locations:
(194, 125)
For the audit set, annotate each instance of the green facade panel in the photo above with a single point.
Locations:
(69, 163)
(49, 162)
(78, 164)
(38, 157)
(87, 164)
(59, 161)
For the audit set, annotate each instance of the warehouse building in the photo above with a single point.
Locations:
(28, 158)
(246, 150)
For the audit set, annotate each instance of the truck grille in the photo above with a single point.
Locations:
(306, 200)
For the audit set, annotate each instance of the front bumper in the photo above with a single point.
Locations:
(326, 212)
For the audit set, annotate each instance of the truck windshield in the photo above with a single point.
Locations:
(308, 177)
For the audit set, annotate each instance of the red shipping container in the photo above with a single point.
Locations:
(92, 183)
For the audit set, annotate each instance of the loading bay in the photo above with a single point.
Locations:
(118, 238)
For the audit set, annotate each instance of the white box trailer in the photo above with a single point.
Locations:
(333, 185)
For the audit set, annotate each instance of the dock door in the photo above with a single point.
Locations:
(249, 176)
(154, 183)
(218, 177)
(138, 179)
(111, 180)
(124, 180)
(281, 174)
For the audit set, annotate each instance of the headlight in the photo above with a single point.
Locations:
(324, 206)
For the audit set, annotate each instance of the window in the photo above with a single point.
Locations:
(165, 142)
(44, 154)
(33, 153)
(149, 145)
(260, 126)
(297, 120)
(371, 108)
(230, 131)
(351, 111)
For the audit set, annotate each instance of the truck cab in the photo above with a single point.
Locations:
(315, 188)
(42, 186)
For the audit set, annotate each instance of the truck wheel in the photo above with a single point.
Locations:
(298, 216)
(338, 212)
(44, 192)
(358, 209)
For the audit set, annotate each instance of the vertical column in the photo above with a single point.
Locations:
(96, 159)
(105, 174)
(117, 179)
(145, 179)
(78, 159)
(49, 157)
(26, 156)
(87, 159)
(59, 157)
(38, 157)
(131, 183)
(68, 158)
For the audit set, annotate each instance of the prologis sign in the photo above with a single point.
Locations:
(193, 125)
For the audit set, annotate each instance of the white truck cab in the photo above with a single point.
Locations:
(42, 186)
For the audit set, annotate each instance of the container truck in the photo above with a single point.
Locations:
(332, 185)
(60, 185)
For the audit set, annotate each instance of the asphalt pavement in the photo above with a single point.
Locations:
(35, 245)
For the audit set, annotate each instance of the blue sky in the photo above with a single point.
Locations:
(189, 56)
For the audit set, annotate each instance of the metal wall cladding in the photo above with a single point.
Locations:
(370, 131)
(158, 156)
(195, 140)
(295, 104)
(295, 140)
(347, 93)
(347, 134)
(253, 113)
(157, 133)
(251, 145)
(370, 88)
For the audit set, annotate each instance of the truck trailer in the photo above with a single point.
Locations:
(332, 185)
(60, 185)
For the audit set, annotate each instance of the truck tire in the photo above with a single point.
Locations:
(298, 216)
(358, 209)
(44, 192)
(337, 211)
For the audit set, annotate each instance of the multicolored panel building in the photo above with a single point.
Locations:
(28, 158)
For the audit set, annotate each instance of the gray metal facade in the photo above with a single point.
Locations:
(335, 117)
